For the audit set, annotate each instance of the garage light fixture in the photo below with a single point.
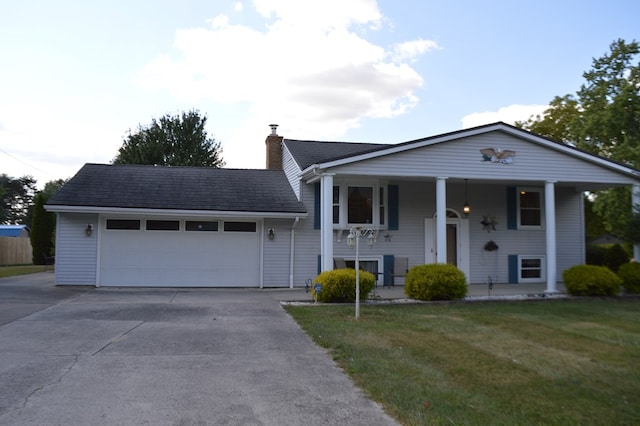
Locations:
(89, 230)
(271, 234)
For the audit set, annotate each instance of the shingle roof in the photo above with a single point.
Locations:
(307, 153)
(179, 188)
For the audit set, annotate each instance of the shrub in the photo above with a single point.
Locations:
(591, 280)
(615, 256)
(339, 285)
(436, 281)
(629, 273)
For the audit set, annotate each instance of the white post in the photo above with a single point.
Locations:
(441, 220)
(326, 222)
(635, 206)
(550, 227)
(357, 274)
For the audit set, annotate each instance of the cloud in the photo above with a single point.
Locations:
(509, 114)
(310, 67)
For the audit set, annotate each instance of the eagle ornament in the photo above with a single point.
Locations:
(498, 155)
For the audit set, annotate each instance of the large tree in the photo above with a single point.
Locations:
(17, 199)
(44, 223)
(603, 118)
(179, 140)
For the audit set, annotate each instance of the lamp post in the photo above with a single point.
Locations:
(354, 240)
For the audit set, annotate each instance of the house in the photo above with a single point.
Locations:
(123, 225)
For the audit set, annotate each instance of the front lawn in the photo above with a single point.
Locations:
(12, 271)
(564, 362)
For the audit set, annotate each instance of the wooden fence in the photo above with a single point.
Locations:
(15, 251)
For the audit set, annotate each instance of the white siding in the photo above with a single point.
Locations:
(307, 246)
(76, 254)
(277, 253)
(570, 227)
(291, 170)
(462, 158)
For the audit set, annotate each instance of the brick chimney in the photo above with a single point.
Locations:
(274, 149)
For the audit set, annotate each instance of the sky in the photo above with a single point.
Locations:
(77, 76)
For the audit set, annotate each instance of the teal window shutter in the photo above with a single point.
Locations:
(316, 205)
(512, 207)
(387, 262)
(513, 269)
(394, 208)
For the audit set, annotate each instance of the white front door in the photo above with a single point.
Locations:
(457, 241)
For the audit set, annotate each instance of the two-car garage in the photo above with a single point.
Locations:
(161, 226)
(179, 253)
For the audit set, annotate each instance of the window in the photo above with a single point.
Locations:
(197, 225)
(163, 225)
(123, 224)
(531, 268)
(336, 204)
(360, 204)
(240, 227)
(529, 208)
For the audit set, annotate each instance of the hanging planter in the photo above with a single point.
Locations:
(491, 246)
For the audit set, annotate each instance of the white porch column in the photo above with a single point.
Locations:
(550, 227)
(326, 221)
(441, 220)
(635, 205)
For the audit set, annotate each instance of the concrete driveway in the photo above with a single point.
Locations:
(86, 356)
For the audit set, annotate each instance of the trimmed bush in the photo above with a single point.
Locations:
(629, 273)
(436, 281)
(591, 280)
(339, 285)
(615, 256)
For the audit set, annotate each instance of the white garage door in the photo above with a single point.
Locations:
(179, 253)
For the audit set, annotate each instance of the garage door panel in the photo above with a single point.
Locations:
(179, 258)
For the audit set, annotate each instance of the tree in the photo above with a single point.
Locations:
(17, 198)
(44, 223)
(556, 121)
(179, 140)
(603, 118)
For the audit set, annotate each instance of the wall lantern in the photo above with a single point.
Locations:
(89, 230)
(271, 234)
(466, 209)
(354, 240)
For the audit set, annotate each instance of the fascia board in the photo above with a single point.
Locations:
(168, 212)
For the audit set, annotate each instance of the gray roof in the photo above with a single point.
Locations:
(179, 188)
(307, 153)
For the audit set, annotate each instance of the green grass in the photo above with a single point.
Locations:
(12, 271)
(564, 362)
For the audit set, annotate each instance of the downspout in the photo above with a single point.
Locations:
(292, 247)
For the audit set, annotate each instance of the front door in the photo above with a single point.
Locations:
(452, 243)
(457, 241)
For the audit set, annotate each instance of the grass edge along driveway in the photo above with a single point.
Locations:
(569, 362)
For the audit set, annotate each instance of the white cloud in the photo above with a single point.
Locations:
(411, 50)
(509, 114)
(309, 69)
